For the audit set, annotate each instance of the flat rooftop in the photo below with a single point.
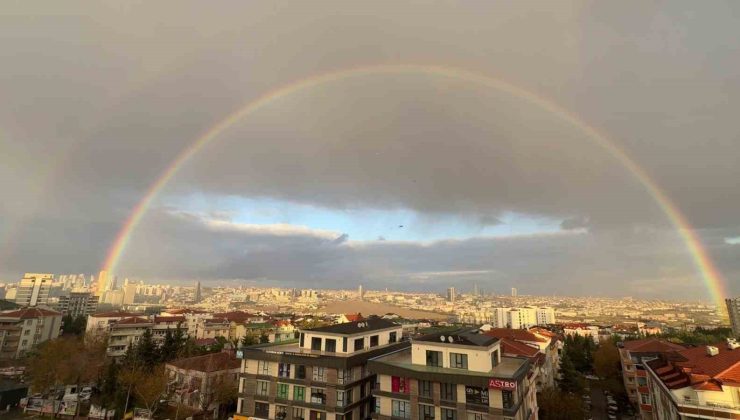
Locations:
(508, 368)
(293, 348)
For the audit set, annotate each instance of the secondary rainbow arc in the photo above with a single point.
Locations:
(711, 277)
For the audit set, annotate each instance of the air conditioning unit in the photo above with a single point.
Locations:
(712, 351)
(732, 344)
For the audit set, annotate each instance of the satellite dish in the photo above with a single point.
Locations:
(450, 339)
(442, 338)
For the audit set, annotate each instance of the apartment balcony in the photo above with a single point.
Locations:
(719, 406)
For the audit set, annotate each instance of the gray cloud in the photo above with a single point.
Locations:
(98, 99)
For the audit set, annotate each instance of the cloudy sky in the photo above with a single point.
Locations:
(401, 179)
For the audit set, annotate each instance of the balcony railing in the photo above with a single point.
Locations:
(723, 405)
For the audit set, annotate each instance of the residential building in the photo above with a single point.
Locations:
(129, 293)
(125, 333)
(584, 330)
(522, 318)
(77, 304)
(733, 310)
(546, 350)
(632, 356)
(195, 381)
(23, 329)
(696, 383)
(162, 324)
(321, 376)
(451, 294)
(453, 375)
(33, 289)
(100, 323)
(513, 292)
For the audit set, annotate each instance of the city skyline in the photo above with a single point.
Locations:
(432, 157)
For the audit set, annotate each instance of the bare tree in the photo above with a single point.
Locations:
(150, 388)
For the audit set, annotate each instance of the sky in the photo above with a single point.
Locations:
(411, 180)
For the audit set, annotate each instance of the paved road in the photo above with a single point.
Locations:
(598, 401)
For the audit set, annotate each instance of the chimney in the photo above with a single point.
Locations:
(712, 351)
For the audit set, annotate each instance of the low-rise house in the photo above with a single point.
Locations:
(162, 324)
(201, 382)
(99, 324)
(583, 330)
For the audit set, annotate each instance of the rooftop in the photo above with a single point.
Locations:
(350, 328)
(509, 367)
(462, 337)
(115, 314)
(651, 345)
(519, 335)
(28, 313)
(694, 367)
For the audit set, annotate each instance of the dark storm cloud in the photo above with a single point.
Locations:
(99, 98)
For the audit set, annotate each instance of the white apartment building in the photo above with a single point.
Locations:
(33, 289)
(522, 318)
(23, 329)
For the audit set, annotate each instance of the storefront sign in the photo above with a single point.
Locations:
(501, 384)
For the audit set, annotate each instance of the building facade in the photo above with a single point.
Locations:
(321, 376)
(733, 310)
(23, 329)
(633, 355)
(453, 376)
(33, 289)
(195, 381)
(78, 304)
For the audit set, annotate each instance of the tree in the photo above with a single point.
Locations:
(150, 388)
(249, 340)
(557, 405)
(570, 379)
(146, 351)
(606, 360)
(264, 338)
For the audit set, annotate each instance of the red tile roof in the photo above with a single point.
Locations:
(208, 363)
(169, 319)
(205, 341)
(28, 313)
(694, 367)
(354, 317)
(180, 311)
(235, 316)
(516, 348)
(652, 345)
(520, 335)
(132, 321)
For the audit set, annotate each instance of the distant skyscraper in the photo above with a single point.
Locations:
(197, 296)
(129, 293)
(34, 289)
(475, 289)
(733, 309)
(451, 294)
(513, 291)
(360, 292)
(102, 284)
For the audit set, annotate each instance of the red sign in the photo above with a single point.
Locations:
(501, 384)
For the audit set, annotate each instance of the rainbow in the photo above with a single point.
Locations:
(701, 259)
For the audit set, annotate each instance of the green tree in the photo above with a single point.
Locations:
(249, 340)
(569, 379)
(606, 360)
(557, 405)
(264, 338)
(147, 351)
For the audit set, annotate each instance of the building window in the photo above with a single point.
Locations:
(507, 397)
(359, 343)
(263, 388)
(282, 391)
(494, 358)
(316, 343)
(392, 337)
(24, 343)
(449, 414)
(302, 340)
(300, 372)
(281, 412)
(284, 370)
(317, 415)
(263, 367)
(26, 332)
(261, 410)
(448, 392)
(425, 389)
(476, 416)
(298, 413)
(374, 340)
(318, 396)
(344, 344)
(641, 381)
(299, 393)
(319, 374)
(400, 409)
(400, 385)
(645, 399)
(344, 376)
(331, 345)
(434, 358)
(458, 360)
(475, 395)
(344, 397)
(426, 412)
